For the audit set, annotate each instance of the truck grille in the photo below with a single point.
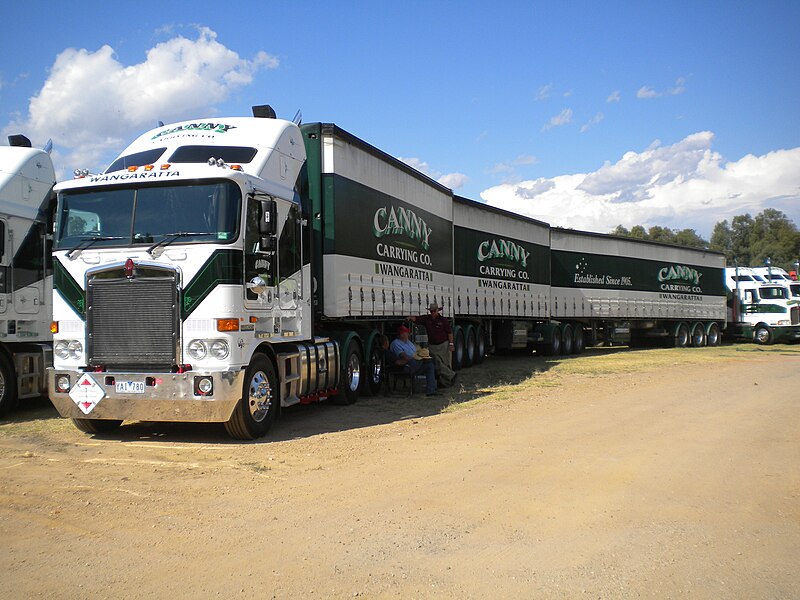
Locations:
(133, 323)
(794, 313)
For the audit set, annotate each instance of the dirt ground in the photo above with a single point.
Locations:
(656, 473)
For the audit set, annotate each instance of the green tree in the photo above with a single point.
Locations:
(690, 238)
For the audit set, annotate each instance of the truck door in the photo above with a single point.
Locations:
(4, 260)
(28, 271)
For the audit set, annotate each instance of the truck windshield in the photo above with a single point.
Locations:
(148, 215)
(773, 293)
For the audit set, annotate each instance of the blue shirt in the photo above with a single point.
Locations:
(398, 346)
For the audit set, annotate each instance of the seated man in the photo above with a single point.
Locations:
(404, 349)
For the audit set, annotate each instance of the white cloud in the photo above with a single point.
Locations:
(592, 122)
(614, 96)
(509, 168)
(451, 180)
(646, 93)
(92, 104)
(562, 118)
(683, 185)
(544, 92)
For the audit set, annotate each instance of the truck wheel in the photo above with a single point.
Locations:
(566, 340)
(458, 352)
(763, 335)
(258, 406)
(8, 386)
(698, 335)
(96, 425)
(371, 384)
(578, 342)
(351, 375)
(713, 337)
(480, 345)
(552, 347)
(469, 346)
(681, 338)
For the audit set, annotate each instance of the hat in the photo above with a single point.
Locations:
(433, 306)
(403, 329)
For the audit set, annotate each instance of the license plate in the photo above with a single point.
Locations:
(130, 387)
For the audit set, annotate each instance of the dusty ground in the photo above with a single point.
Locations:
(656, 473)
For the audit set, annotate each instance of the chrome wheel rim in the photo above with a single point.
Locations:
(353, 372)
(259, 398)
(377, 368)
(762, 335)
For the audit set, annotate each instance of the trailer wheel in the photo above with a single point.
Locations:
(713, 337)
(566, 339)
(763, 335)
(480, 345)
(681, 338)
(258, 406)
(552, 347)
(469, 346)
(578, 342)
(8, 385)
(351, 375)
(371, 384)
(698, 335)
(96, 425)
(459, 351)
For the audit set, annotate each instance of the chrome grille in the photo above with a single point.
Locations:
(133, 323)
(795, 315)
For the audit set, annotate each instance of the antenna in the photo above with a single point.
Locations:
(48, 147)
(161, 123)
(298, 117)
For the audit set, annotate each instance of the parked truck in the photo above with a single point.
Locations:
(221, 269)
(27, 178)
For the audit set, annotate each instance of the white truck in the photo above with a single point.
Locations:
(761, 312)
(221, 269)
(27, 178)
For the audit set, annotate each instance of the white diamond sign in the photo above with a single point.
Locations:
(86, 393)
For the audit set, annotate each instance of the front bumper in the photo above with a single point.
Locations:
(787, 333)
(171, 398)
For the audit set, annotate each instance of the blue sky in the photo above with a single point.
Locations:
(577, 113)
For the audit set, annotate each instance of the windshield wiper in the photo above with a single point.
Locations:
(171, 237)
(88, 241)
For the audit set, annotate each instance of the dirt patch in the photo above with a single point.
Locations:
(658, 473)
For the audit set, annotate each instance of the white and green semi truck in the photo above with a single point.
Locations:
(221, 269)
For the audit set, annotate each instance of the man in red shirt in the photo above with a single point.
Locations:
(440, 342)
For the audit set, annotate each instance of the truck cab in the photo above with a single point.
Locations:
(764, 313)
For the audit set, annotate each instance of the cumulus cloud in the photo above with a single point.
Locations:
(92, 104)
(562, 118)
(452, 180)
(685, 184)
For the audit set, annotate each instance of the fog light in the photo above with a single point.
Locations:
(62, 383)
(203, 386)
(197, 349)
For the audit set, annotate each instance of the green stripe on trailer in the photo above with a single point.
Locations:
(486, 255)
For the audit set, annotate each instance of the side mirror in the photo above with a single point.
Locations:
(268, 219)
(267, 243)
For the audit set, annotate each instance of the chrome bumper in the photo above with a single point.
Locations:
(171, 398)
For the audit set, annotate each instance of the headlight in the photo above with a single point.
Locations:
(62, 349)
(197, 349)
(219, 349)
(75, 349)
(783, 322)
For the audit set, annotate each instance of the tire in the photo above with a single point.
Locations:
(713, 335)
(469, 346)
(258, 407)
(698, 335)
(578, 341)
(373, 380)
(459, 350)
(566, 340)
(552, 347)
(96, 425)
(762, 335)
(8, 386)
(480, 345)
(681, 337)
(350, 377)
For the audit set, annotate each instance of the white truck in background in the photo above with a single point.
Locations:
(761, 312)
(27, 202)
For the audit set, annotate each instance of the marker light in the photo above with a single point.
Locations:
(165, 166)
(148, 167)
(227, 324)
(54, 327)
(132, 169)
(236, 167)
